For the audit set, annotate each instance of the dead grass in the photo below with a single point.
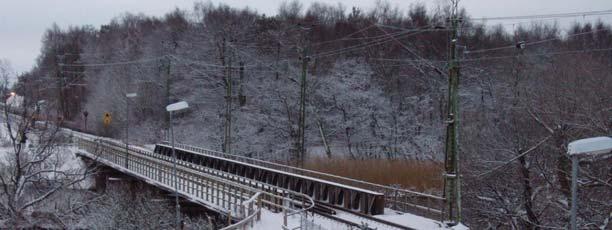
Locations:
(411, 174)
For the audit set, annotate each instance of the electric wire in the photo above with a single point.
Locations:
(545, 16)
(144, 60)
(532, 43)
(499, 57)
(365, 45)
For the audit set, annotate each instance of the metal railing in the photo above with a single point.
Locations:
(241, 202)
(401, 199)
(249, 213)
(397, 198)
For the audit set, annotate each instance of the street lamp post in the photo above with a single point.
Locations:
(173, 108)
(127, 125)
(588, 146)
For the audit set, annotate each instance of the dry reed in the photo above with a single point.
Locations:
(411, 174)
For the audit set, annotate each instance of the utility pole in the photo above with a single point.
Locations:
(168, 86)
(127, 126)
(127, 130)
(533, 222)
(276, 74)
(228, 117)
(60, 85)
(302, 119)
(452, 189)
(228, 99)
(241, 96)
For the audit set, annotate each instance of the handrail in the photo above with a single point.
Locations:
(218, 172)
(142, 165)
(250, 215)
(292, 168)
(397, 197)
(243, 209)
(305, 198)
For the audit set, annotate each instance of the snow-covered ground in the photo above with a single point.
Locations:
(270, 220)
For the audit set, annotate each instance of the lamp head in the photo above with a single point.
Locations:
(177, 106)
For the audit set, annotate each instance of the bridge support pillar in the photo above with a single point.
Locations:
(101, 178)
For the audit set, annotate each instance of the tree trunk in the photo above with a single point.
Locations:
(527, 193)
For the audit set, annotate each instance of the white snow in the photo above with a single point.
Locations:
(271, 220)
(14, 101)
(149, 147)
(63, 157)
(410, 220)
(460, 226)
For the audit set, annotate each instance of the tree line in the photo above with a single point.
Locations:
(374, 78)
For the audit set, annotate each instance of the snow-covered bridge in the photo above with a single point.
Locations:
(239, 202)
(244, 189)
(253, 192)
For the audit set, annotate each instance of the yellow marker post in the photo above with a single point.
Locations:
(107, 119)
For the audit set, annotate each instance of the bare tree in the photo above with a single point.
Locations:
(32, 165)
(122, 207)
(5, 74)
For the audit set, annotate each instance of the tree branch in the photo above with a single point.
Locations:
(516, 157)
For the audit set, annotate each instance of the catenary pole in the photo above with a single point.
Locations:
(302, 120)
(176, 198)
(452, 190)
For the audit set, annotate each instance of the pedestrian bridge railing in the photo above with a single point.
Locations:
(241, 203)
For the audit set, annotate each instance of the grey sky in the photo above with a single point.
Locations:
(23, 22)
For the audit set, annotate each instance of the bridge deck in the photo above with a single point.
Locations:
(345, 196)
(214, 192)
(276, 171)
(396, 198)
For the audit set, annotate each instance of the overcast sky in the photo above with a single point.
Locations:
(23, 22)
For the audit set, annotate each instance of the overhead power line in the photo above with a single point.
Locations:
(499, 57)
(144, 60)
(544, 16)
(541, 54)
(414, 53)
(345, 37)
(349, 37)
(531, 43)
(382, 40)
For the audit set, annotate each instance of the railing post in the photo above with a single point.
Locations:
(396, 199)
(208, 195)
(217, 193)
(284, 217)
(247, 213)
(258, 207)
(229, 218)
(251, 211)
(303, 203)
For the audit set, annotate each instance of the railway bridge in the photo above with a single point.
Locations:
(240, 187)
